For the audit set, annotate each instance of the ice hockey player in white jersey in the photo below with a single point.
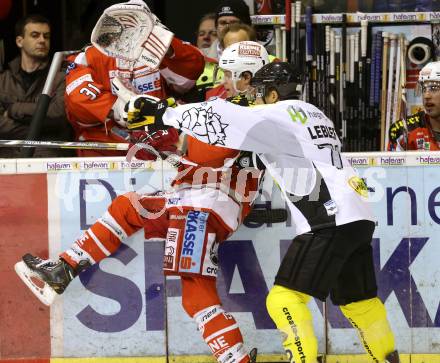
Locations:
(300, 148)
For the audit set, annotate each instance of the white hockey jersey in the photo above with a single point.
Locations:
(298, 145)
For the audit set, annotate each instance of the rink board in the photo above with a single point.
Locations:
(119, 309)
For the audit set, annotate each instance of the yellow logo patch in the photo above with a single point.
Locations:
(358, 185)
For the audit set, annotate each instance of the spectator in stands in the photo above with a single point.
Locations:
(207, 32)
(228, 12)
(236, 33)
(23, 82)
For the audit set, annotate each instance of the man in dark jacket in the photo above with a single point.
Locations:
(23, 82)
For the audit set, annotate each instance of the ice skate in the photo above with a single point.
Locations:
(45, 278)
(392, 357)
(253, 355)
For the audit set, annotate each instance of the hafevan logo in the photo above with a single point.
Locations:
(51, 166)
(193, 240)
(359, 161)
(404, 17)
(392, 161)
(429, 160)
(98, 165)
(135, 164)
(369, 17)
(331, 18)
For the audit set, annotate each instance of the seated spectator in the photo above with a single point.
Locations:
(21, 85)
(228, 12)
(421, 131)
(207, 32)
(95, 104)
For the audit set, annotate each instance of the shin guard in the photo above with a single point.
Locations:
(370, 319)
(288, 309)
(222, 334)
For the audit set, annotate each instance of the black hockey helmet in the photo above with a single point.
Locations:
(282, 77)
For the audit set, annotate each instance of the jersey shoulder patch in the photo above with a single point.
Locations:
(401, 126)
(415, 121)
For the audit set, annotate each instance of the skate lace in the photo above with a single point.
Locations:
(48, 264)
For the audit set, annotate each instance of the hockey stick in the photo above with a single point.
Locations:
(293, 31)
(284, 44)
(65, 144)
(298, 31)
(397, 89)
(364, 94)
(311, 92)
(343, 70)
(327, 91)
(288, 31)
(171, 158)
(390, 85)
(277, 215)
(331, 76)
(351, 92)
(373, 113)
(338, 82)
(44, 100)
(376, 101)
(403, 110)
(278, 43)
(321, 66)
(402, 81)
(372, 73)
(383, 97)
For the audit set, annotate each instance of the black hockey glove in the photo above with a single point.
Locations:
(146, 110)
(248, 159)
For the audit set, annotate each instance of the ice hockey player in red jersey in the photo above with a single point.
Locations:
(211, 196)
(421, 131)
(159, 65)
(332, 253)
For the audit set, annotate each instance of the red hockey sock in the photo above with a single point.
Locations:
(222, 334)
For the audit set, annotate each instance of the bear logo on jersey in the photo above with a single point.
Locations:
(205, 123)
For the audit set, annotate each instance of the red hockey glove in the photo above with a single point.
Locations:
(161, 141)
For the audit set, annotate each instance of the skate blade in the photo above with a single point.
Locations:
(45, 293)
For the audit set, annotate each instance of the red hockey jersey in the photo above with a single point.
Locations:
(89, 97)
(414, 133)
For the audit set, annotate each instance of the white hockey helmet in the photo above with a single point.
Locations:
(242, 57)
(430, 72)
